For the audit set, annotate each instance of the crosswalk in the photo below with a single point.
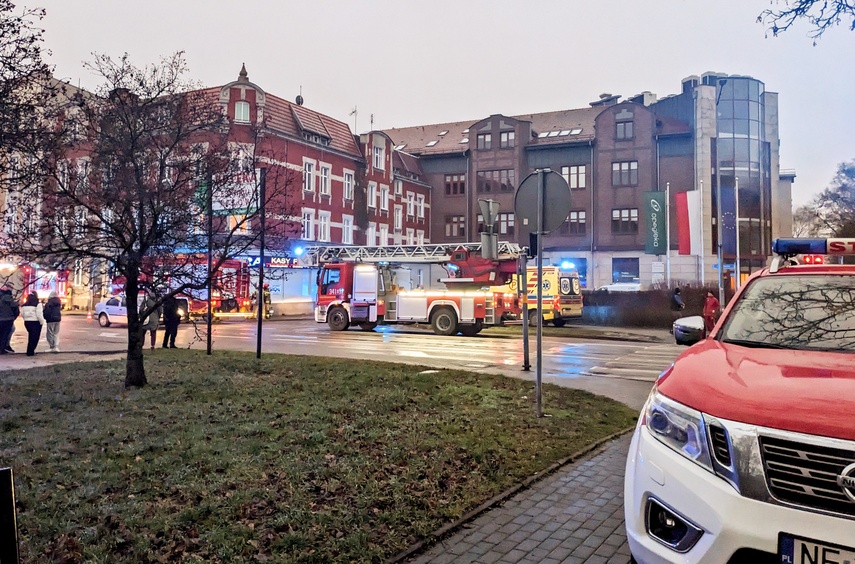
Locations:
(644, 363)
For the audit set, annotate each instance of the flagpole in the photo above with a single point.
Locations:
(702, 250)
(738, 266)
(668, 231)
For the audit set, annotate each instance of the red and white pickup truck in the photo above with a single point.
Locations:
(745, 449)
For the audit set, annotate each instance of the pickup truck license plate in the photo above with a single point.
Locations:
(798, 550)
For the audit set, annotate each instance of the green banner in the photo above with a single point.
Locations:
(655, 211)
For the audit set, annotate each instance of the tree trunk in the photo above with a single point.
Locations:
(134, 366)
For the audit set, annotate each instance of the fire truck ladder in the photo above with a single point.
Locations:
(401, 253)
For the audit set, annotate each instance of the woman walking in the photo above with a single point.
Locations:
(33, 315)
(53, 315)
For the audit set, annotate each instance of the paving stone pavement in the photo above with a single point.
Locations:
(573, 515)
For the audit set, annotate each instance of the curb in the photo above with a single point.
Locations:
(448, 528)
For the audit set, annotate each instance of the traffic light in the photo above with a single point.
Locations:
(813, 259)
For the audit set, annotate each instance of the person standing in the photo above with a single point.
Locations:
(33, 316)
(171, 319)
(677, 305)
(8, 314)
(152, 322)
(710, 313)
(53, 315)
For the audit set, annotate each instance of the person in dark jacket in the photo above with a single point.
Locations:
(9, 312)
(171, 319)
(677, 306)
(53, 315)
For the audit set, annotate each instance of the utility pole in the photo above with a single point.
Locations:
(262, 306)
(209, 213)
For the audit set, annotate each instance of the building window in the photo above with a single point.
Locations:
(371, 234)
(505, 224)
(372, 195)
(379, 158)
(485, 141)
(455, 226)
(309, 176)
(420, 206)
(455, 184)
(574, 175)
(308, 225)
(623, 130)
(506, 139)
(420, 237)
(324, 179)
(399, 218)
(411, 204)
(81, 218)
(496, 180)
(625, 173)
(411, 237)
(399, 187)
(624, 270)
(575, 223)
(324, 226)
(347, 229)
(384, 235)
(625, 220)
(242, 112)
(348, 185)
(238, 224)
(384, 197)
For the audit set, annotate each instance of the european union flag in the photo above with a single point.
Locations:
(728, 220)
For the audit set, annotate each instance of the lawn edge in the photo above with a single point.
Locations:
(448, 528)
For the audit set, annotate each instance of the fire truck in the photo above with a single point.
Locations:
(367, 286)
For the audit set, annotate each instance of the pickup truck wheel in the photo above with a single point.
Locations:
(559, 322)
(103, 320)
(444, 321)
(338, 319)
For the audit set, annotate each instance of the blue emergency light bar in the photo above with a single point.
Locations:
(806, 246)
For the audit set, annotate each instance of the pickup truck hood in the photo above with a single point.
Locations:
(800, 391)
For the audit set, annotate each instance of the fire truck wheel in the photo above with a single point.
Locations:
(559, 322)
(532, 318)
(103, 320)
(367, 326)
(444, 321)
(471, 330)
(337, 319)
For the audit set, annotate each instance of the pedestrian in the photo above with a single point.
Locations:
(677, 306)
(171, 319)
(151, 323)
(33, 316)
(53, 315)
(8, 314)
(711, 311)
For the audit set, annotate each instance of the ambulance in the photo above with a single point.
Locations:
(561, 295)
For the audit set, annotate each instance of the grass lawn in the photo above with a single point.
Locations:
(304, 459)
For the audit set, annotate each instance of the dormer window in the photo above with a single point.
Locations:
(242, 112)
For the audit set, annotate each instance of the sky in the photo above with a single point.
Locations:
(416, 62)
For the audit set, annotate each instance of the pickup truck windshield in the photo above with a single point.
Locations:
(810, 312)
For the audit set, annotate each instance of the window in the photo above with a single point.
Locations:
(505, 224)
(399, 187)
(308, 176)
(485, 141)
(625, 220)
(242, 112)
(384, 235)
(411, 237)
(411, 204)
(455, 184)
(506, 139)
(371, 234)
(372, 195)
(384, 197)
(308, 225)
(623, 130)
(496, 180)
(420, 237)
(455, 226)
(379, 158)
(81, 218)
(347, 229)
(575, 223)
(625, 173)
(348, 185)
(324, 179)
(82, 176)
(624, 270)
(399, 218)
(324, 226)
(420, 206)
(574, 175)
(77, 278)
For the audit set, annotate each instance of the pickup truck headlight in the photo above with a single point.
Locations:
(677, 426)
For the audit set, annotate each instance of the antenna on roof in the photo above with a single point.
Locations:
(355, 114)
(300, 96)
(372, 122)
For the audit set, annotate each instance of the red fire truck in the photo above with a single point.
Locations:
(367, 286)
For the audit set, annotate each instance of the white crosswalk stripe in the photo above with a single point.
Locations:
(644, 363)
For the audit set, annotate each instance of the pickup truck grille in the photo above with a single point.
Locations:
(806, 474)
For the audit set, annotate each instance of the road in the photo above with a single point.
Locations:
(622, 370)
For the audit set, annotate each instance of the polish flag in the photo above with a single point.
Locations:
(689, 222)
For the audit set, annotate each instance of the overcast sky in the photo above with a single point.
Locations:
(418, 62)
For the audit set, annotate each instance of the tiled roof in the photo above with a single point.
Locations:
(406, 162)
(417, 139)
(289, 118)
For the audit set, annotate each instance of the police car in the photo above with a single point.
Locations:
(745, 449)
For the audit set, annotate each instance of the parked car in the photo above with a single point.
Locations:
(621, 287)
(745, 448)
(114, 310)
(689, 330)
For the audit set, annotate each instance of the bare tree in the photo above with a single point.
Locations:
(142, 161)
(835, 206)
(807, 222)
(821, 14)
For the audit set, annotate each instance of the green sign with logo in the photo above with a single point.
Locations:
(655, 214)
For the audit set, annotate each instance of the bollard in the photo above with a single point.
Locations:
(8, 526)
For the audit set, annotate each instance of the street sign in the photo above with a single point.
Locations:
(727, 265)
(556, 202)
